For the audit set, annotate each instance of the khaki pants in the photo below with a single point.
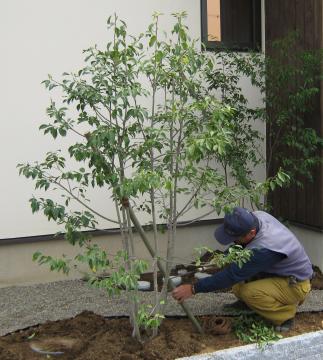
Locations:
(273, 298)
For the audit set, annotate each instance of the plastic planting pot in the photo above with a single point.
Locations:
(143, 285)
(182, 272)
(200, 275)
(176, 280)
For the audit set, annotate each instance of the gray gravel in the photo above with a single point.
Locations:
(26, 306)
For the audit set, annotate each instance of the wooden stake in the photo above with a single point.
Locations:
(137, 225)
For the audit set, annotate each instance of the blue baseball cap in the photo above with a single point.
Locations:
(237, 223)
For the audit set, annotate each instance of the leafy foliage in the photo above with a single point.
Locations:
(54, 264)
(288, 78)
(120, 278)
(235, 254)
(147, 318)
(293, 80)
(253, 329)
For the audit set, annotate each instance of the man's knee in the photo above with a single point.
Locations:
(248, 293)
(236, 289)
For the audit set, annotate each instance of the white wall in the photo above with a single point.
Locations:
(16, 267)
(40, 37)
(312, 242)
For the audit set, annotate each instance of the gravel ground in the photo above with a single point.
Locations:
(26, 306)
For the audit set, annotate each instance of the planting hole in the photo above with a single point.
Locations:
(53, 346)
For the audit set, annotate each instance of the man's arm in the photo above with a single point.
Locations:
(260, 261)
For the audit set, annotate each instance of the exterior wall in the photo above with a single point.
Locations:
(300, 205)
(312, 242)
(16, 267)
(40, 37)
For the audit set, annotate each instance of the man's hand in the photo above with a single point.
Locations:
(182, 292)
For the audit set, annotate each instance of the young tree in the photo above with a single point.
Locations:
(146, 158)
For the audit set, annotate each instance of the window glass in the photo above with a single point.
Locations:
(234, 24)
(214, 20)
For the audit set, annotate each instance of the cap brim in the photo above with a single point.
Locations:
(222, 237)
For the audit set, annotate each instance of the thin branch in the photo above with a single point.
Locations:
(188, 202)
(53, 180)
(102, 117)
(196, 219)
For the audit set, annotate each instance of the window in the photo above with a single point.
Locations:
(234, 24)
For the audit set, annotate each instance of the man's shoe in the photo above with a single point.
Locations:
(285, 326)
(238, 307)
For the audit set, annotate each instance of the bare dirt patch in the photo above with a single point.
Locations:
(92, 337)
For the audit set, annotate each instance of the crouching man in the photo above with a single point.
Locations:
(278, 259)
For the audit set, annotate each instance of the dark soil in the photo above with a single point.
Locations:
(317, 281)
(92, 337)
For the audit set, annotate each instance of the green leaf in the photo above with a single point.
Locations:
(152, 40)
(31, 336)
(36, 255)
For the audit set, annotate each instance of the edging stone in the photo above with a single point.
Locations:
(307, 346)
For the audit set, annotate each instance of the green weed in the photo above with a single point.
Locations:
(253, 329)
